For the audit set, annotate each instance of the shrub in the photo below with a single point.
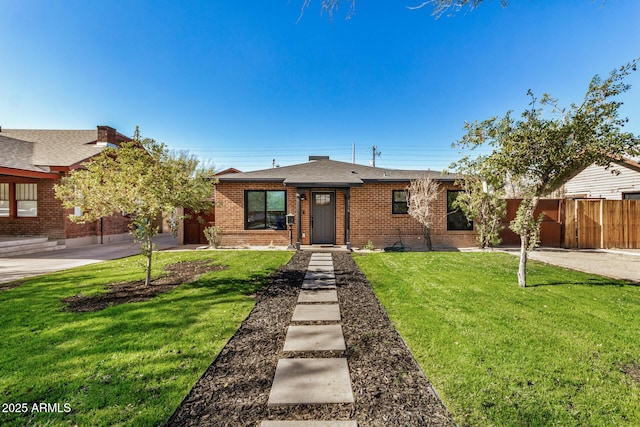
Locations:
(213, 235)
(369, 246)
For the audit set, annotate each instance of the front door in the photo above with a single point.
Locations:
(323, 218)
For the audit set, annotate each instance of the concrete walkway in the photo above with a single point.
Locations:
(617, 264)
(315, 327)
(21, 266)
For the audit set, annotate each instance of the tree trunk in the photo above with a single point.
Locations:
(529, 221)
(149, 253)
(426, 231)
(522, 268)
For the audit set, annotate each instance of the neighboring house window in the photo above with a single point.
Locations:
(400, 202)
(27, 200)
(456, 219)
(631, 196)
(4, 199)
(265, 210)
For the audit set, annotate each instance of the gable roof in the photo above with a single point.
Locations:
(38, 150)
(331, 173)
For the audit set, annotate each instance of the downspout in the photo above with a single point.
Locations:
(347, 217)
(298, 221)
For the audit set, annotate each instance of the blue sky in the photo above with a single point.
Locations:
(242, 83)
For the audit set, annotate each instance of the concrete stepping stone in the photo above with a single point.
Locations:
(320, 268)
(311, 381)
(321, 262)
(313, 275)
(321, 257)
(318, 295)
(316, 312)
(331, 423)
(319, 284)
(314, 338)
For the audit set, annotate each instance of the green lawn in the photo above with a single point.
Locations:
(126, 365)
(552, 354)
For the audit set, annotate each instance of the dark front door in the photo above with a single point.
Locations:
(323, 217)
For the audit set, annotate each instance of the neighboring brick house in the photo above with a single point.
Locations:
(334, 203)
(31, 162)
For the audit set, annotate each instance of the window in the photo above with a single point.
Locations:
(399, 203)
(265, 210)
(323, 199)
(4, 199)
(18, 200)
(27, 200)
(456, 219)
(631, 196)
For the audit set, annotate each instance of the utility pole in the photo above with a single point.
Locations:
(374, 153)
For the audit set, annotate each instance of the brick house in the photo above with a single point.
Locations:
(334, 203)
(31, 162)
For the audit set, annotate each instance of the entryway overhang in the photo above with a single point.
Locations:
(323, 188)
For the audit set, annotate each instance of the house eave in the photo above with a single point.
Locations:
(225, 178)
(27, 173)
(399, 180)
(317, 184)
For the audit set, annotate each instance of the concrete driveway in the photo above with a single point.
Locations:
(617, 264)
(18, 267)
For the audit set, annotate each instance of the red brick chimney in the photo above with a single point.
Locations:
(106, 134)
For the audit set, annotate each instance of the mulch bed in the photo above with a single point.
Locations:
(389, 387)
(124, 292)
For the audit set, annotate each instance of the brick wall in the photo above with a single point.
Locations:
(116, 224)
(48, 223)
(230, 215)
(52, 220)
(107, 134)
(371, 217)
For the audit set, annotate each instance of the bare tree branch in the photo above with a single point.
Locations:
(421, 199)
(451, 6)
(329, 6)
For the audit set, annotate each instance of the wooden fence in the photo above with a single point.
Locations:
(582, 223)
(550, 229)
(602, 224)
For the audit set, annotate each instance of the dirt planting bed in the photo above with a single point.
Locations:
(120, 293)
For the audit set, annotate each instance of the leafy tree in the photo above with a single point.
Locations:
(144, 180)
(423, 193)
(484, 202)
(539, 152)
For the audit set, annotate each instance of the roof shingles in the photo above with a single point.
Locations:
(37, 149)
(332, 173)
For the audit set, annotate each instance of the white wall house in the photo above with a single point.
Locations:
(619, 182)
